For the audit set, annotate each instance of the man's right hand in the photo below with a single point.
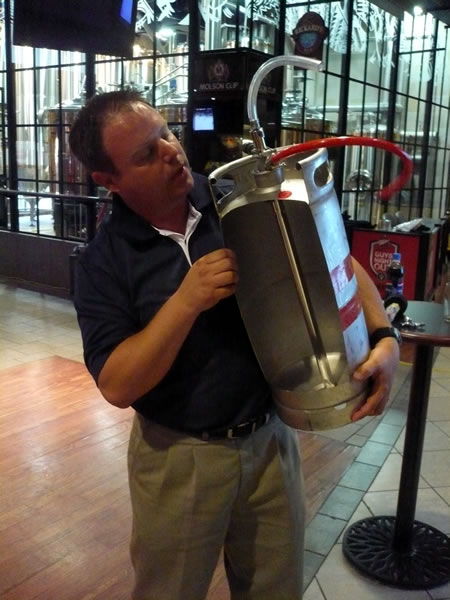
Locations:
(139, 363)
(210, 279)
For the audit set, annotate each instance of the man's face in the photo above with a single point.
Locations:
(152, 172)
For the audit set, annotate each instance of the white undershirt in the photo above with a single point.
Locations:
(182, 239)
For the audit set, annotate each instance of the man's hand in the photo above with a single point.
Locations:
(210, 279)
(380, 366)
(139, 363)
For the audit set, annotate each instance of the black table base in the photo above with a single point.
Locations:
(369, 545)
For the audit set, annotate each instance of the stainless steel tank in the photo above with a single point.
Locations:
(297, 292)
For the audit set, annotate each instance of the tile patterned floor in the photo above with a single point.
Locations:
(34, 326)
(370, 487)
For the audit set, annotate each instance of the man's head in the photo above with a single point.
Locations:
(128, 148)
(86, 134)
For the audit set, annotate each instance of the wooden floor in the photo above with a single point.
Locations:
(64, 506)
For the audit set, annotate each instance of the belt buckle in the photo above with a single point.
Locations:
(251, 425)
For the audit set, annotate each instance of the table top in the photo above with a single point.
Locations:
(436, 331)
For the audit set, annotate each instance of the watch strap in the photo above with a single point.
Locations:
(383, 332)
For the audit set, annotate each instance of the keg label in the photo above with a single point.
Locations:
(350, 311)
(342, 274)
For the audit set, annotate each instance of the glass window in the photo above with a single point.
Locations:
(435, 121)
(171, 87)
(26, 152)
(45, 57)
(434, 167)
(47, 149)
(25, 95)
(256, 23)
(373, 34)
(246, 26)
(356, 96)
(109, 75)
(217, 24)
(72, 79)
(138, 75)
(331, 106)
(72, 58)
(172, 26)
(48, 153)
(265, 17)
(3, 138)
(23, 57)
(416, 43)
(2, 48)
(442, 87)
(47, 92)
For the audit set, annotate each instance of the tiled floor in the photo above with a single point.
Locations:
(34, 326)
(370, 485)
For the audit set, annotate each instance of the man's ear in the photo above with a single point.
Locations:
(106, 180)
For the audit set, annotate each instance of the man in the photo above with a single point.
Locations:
(210, 465)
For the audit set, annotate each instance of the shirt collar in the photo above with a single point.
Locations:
(137, 228)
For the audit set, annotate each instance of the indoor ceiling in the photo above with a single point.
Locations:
(438, 8)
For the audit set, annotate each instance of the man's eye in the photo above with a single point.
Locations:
(145, 156)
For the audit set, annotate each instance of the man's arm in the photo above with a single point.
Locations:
(383, 359)
(139, 363)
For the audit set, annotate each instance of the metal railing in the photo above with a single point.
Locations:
(63, 205)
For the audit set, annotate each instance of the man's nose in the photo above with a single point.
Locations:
(169, 151)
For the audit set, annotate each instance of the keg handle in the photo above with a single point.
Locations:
(344, 140)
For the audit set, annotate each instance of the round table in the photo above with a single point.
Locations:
(401, 551)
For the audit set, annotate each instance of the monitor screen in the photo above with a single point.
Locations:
(98, 26)
(126, 10)
(203, 119)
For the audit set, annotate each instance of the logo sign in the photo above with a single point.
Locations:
(309, 35)
(380, 256)
(218, 73)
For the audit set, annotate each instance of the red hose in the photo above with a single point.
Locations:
(386, 192)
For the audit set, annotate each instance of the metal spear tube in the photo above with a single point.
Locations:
(257, 134)
(308, 312)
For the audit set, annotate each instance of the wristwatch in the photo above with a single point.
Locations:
(383, 332)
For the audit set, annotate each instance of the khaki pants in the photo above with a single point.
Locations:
(191, 498)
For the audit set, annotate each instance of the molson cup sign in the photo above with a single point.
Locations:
(380, 256)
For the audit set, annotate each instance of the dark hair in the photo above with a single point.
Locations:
(86, 134)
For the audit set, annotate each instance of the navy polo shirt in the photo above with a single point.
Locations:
(125, 275)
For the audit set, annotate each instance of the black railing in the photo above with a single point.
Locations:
(75, 217)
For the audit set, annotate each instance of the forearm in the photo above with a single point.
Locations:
(373, 307)
(140, 362)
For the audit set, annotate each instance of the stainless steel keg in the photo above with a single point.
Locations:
(297, 291)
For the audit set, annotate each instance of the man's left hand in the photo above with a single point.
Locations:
(380, 366)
